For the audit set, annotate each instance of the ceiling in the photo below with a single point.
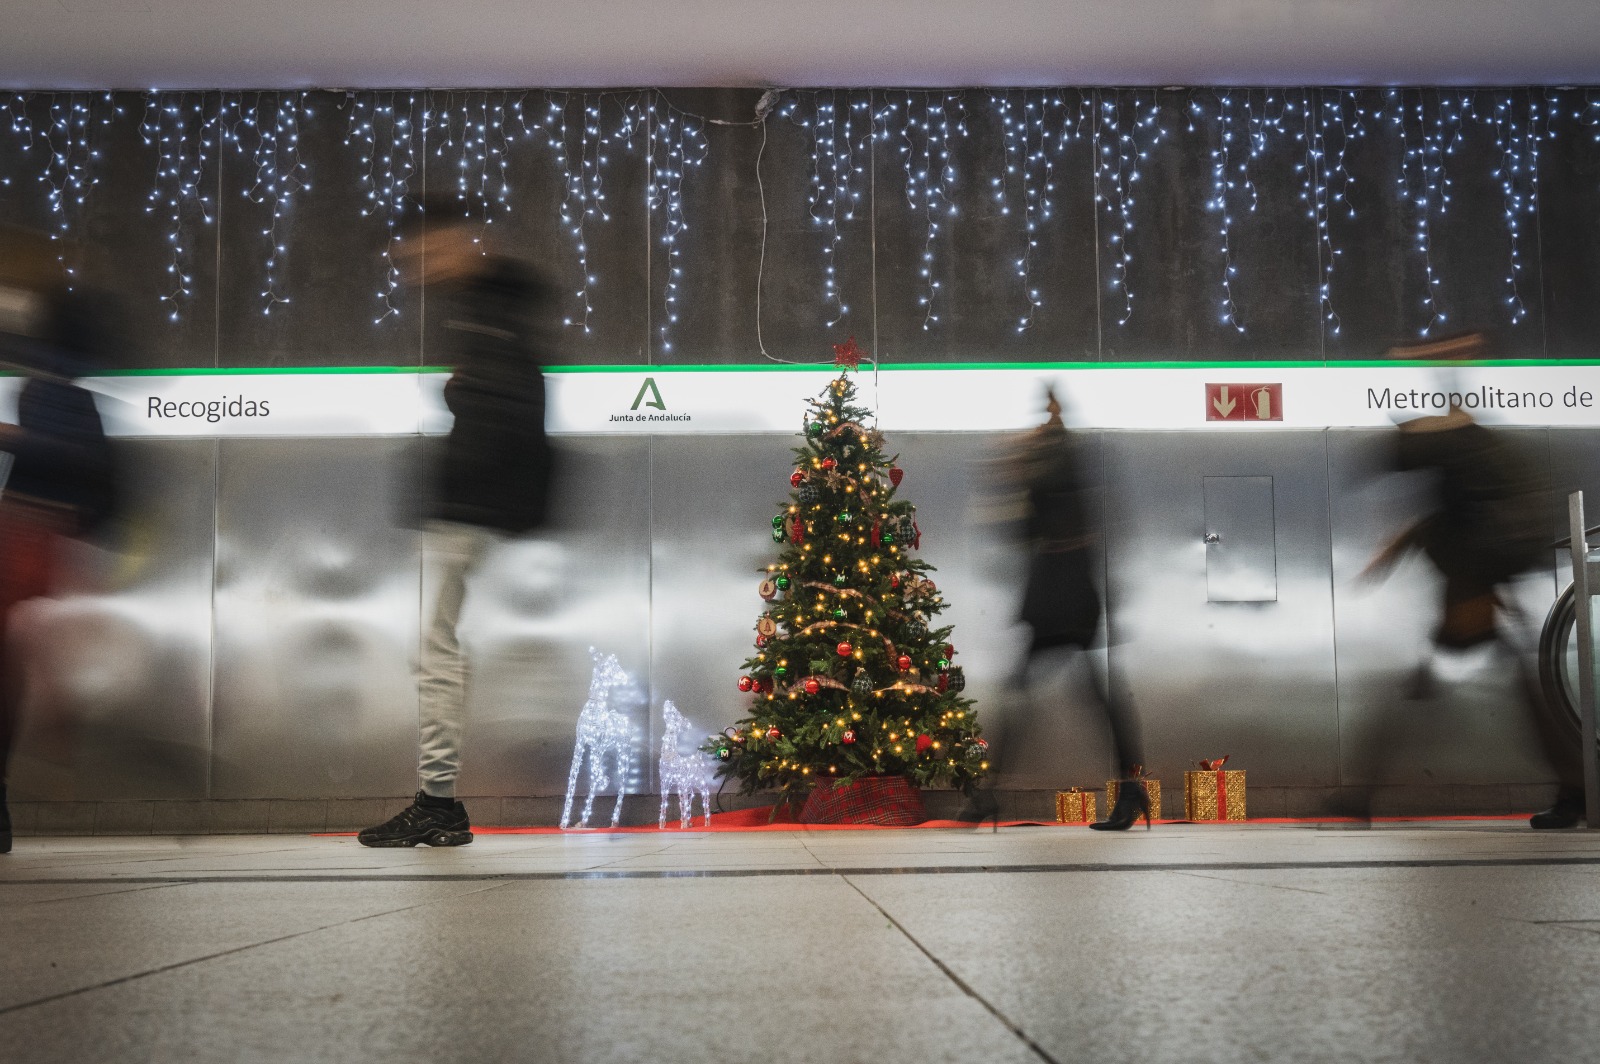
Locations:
(179, 44)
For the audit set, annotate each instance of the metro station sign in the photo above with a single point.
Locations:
(1244, 402)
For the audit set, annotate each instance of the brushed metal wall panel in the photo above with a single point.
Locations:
(1475, 728)
(538, 605)
(1250, 679)
(118, 703)
(653, 555)
(316, 621)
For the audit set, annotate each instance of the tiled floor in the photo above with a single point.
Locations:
(1449, 942)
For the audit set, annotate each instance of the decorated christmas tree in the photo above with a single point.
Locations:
(850, 678)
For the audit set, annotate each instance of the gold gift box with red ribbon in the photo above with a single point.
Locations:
(1077, 807)
(1151, 787)
(1214, 793)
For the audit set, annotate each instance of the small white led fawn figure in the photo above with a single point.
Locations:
(602, 728)
(685, 774)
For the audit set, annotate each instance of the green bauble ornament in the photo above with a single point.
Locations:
(840, 581)
(944, 663)
(782, 582)
(888, 538)
(846, 516)
(839, 614)
(777, 520)
(777, 534)
(781, 671)
(814, 429)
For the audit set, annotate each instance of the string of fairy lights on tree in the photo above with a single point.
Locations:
(475, 142)
(840, 127)
(182, 128)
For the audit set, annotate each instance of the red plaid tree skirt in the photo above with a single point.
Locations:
(890, 801)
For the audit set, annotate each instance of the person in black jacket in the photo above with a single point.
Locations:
(492, 482)
(60, 466)
(1060, 604)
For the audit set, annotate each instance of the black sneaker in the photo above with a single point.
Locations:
(418, 823)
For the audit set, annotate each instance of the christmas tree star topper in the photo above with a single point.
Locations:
(848, 355)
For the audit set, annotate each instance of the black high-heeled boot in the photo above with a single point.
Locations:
(1132, 802)
(980, 805)
(1566, 813)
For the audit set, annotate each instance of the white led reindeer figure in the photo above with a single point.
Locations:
(685, 774)
(602, 728)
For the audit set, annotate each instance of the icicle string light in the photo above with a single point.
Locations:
(56, 131)
(470, 138)
(1123, 140)
(183, 132)
(1035, 130)
(265, 128)
(839, 128)
(677, 142)
(922, 126)
(384, 128)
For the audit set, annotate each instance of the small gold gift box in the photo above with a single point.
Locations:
(1213, 793)
(1076, 807)
(1152, 788)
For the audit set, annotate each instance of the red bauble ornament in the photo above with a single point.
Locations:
(848, 738)
(904, 662)
(923, 743)
(894, 581)
(896, 475)
(983, 744)
(772, 734)
(828, 463)
(761, 640)
(746, 684)
(845, 650)
(812, 686)
(795, 478)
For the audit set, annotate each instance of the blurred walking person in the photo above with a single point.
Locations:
(492, 482)
(61, 477)
(1492, 524)
(1060, 604)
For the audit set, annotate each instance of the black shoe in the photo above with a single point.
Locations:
(980, 806)
(1566, 813)
(5, 824)
(1132, 802)
(422, 823)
